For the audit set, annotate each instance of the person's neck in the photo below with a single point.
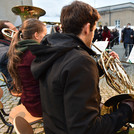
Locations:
(84, 39)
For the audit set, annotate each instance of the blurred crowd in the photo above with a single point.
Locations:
(112, 35)
(104, 33)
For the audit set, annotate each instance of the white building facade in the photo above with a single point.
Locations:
(117, 15)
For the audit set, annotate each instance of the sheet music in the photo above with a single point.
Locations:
(101, 45)
(131, 56)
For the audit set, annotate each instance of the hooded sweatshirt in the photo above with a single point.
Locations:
(69, 87)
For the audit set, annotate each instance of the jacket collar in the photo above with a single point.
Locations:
(82, 45)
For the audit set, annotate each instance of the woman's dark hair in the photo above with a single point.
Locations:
(106, 29)
(3, 25)
(76, 15)
(27, 30)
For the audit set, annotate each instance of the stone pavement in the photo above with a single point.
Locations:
(9, 102)
(107, 92)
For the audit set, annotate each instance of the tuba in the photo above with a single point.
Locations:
(24, 12)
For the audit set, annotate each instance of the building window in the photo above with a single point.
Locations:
(117, 23)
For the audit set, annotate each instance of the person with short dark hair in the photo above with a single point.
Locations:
(69, 77)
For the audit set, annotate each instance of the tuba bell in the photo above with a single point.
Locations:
(26, 12)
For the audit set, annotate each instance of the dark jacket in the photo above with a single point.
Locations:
(4, 46)
(69, 87)
(100, 34)
(127, 39)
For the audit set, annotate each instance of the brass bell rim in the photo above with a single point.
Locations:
(37, 9)
(118, 98)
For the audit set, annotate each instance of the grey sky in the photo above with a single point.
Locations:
(53, 7)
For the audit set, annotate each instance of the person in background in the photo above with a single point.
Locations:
(69, 77)
(4, 46)
(106, 35)
(57, 29)
(127, 38)
(112, 39)
(100, 33)
(31, 33)
(116, 36)
(96, 36)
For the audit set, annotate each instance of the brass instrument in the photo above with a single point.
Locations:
(115, 74)
(24, 12)
(8, 32)
(116, 78)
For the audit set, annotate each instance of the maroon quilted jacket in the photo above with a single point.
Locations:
(30, 93)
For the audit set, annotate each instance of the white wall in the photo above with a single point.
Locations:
(7, 14)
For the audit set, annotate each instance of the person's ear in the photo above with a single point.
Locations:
(86, 28)
(36, 35)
